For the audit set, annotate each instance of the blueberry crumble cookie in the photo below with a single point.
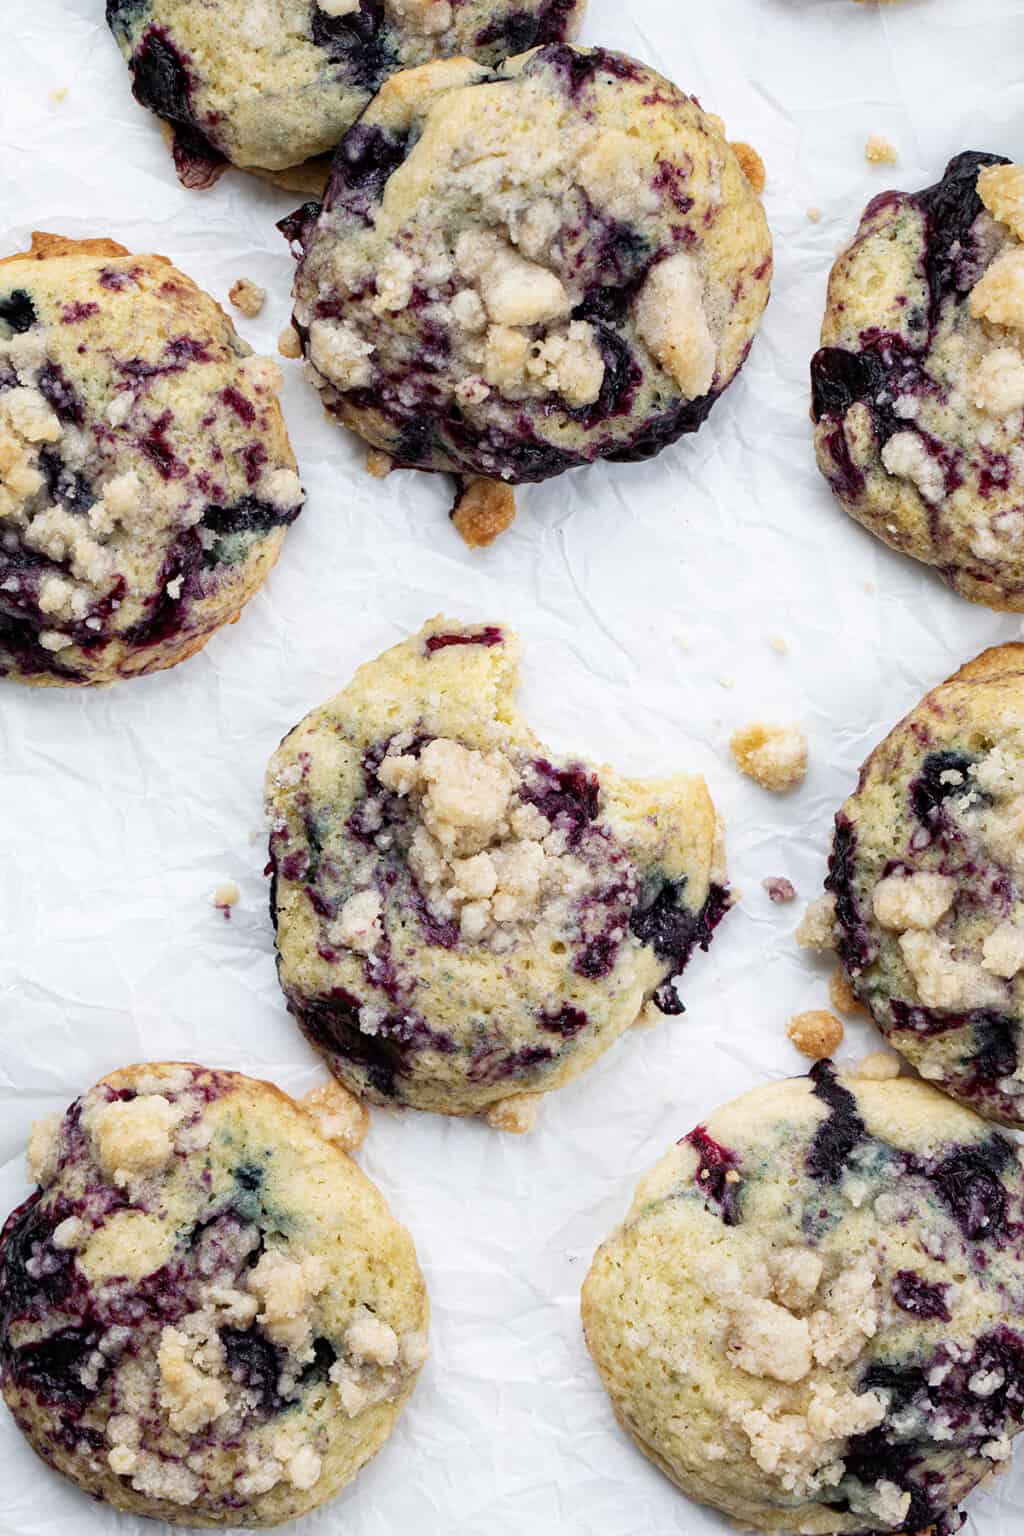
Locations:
(925, 900)
(207, 1312)
(269, 84)
(520, 270)
(918, 389)
(464, 918)
(813, 1316)
(146, 477)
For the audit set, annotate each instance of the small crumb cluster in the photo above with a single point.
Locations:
(774, 756)
(817, 1034)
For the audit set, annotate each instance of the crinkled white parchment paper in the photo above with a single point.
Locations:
(646, 597)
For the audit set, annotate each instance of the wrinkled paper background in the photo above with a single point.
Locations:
(645, 596)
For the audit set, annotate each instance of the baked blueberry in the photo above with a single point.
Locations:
(820, 1345)
(462, 917)
(918, 389)
(146, 477)
(207, 1313)
(267, 87)
(504, 282)
(926, 887)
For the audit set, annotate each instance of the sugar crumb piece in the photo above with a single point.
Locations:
(482, 510)
(44, 1149)
(774, 756)
(814, 215)
(751, 165)
(1001, 189)
(878, 151)
(946, 982)
(817, 926)
(304, 1469)
(779, 645)
(339, 1115)
(289, 343)
(796, 1274)
(190, 1391)
(379, 464)
(841, 995)
(58, 94)
(133, 1136)
(918, 900)
(816, 1034)
(369, 1339)
(725, 680)
(247, 297)
(286, 1289)
(779, 889)
(767, 1341)
(999, 294)
(878, 1067)
(516, 1115)
(671, 320)
(358, 925)
(1003, 950)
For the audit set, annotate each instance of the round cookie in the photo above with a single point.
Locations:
(809, 1318)
(146, 477)
(918, 389)
(927, 885)
(269, 86)
(462, 916)
(505, 282)
(207, 1312)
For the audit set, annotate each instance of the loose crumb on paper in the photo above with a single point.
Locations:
(751, 165)
(516, 1115)
(816, 1034)
(779, 645)
(779, 889)
(226, 896)
(774, 756)
(247, 297)
(841, 995)
(288, 343)
(878, 151)
(814, 215)
(482, 510)
(379, 464)
(59, 94)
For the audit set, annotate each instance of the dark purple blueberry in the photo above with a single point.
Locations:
(18, 311)
(332, 1024)
(922, 1299)
(856, 946)
(248, 516)
(297, 225)
(567, 1022)
(490, 635)
(577, 70)
(663, 431)
(514, 31)
(362, 164)
(160, 453)
(568, 797)
(359, 42)
(840, 1132)
(841, 379)
(237, 402)
(53, 1367)
(255, 1364)
(623, 376)
(164, 612)
(951, 208)
(182, 350)
(711, 1178)
(927, 791)
(57, 389)
(969, 1184)
(488, 1064)
(667, 1000)
(65, 485)
(662, 920)
(249, 1176)
(26, 1233)
(161, 82)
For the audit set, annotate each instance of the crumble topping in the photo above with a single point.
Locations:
(841, 995)
(44, 1149)
(514, 291)
(248, 297)
(817, 1034)
(999, 382)
(803, 1449)
(286, 1290)
(998, 295)
(1003, 950)
(796, 1275)
(945, 982)
(368, 1339)
(339, 353)
(767, 1340)
(774, 756)
(1001, 189)
(817, 926)
(358, 926)
(338, 1114)
(917, 900)
(133, 1136)
(190, 1389)
(906, 456)
(289, 343)
(671, 319)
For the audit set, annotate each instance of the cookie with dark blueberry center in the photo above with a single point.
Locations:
(269, 85)
(146, 477)
(918, 389)
(207, 1313)
(926, 885)
(520, 270)
(463, 917)
(812, 1317)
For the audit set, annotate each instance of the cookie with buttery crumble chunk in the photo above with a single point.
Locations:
(462, 916)
(270, 85)
(207, 1313)
(927, 884)
(146, 477)
(520, 270)
(918, 389)
(811, 1318)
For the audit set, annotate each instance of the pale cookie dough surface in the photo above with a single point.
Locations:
(927, 878)
(521, 270)
(807, 1319)
(268, 84)
(463, 916)
(146, 477)
(918, 389)
(207, 1313)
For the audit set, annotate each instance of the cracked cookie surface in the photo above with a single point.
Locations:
(809, 1316)
(522, 270)
(918, 389)
(207, 1313)
(269, 85)
(927, 885)
(462, 916)
(146, 477)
